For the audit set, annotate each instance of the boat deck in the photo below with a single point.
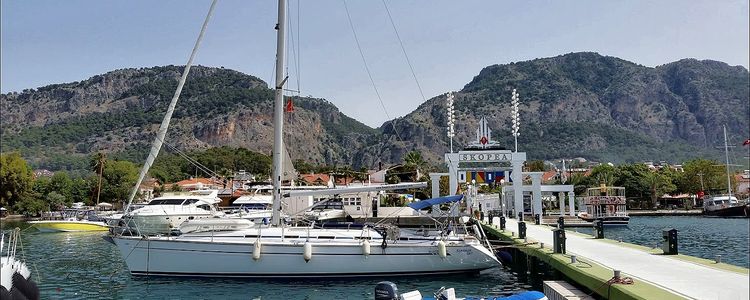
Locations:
(679, 275)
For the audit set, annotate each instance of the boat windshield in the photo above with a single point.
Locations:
(167, 201)
(256, 206)
(330, 204)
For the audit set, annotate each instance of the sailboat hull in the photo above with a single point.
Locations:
(225, 257)
(739, 211)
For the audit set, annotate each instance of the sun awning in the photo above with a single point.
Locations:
(435, 201)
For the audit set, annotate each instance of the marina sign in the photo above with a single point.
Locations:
(485, 156)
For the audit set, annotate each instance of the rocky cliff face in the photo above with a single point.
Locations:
(585, 104)
(578, 104)
(121, 111)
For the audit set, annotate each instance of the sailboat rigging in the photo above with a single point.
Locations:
(725, 205)
(282, 250)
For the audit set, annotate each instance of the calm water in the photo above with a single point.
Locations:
(84, 266)
(696, 236)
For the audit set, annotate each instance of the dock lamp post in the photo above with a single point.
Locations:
(451, 118)
(515, 117)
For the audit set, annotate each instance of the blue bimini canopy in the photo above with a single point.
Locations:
(435, 201)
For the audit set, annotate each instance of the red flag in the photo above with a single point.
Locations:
(747, 142)
(289, 105)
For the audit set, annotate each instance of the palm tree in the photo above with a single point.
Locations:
(97, 164)
(414, 161)
(658, 184)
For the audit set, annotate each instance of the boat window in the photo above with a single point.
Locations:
(256, 206)
(330, 204)
(166, 202)
(205, 207)
(190, 201)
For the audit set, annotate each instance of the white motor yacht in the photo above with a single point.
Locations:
(327, 209)
(254, 207)
(165, 213)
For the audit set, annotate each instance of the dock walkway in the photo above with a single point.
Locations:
(683, 278)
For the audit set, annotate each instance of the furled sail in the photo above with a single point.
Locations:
(159, 140)
(289, 173)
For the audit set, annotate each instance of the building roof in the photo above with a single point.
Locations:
(549, 175)
(319, 178)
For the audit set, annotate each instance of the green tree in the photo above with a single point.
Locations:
(62, 185)
(535, 166)
(630, 177)
(16, 180)
(118, 180)
(658, 184)
(55, 200)
(702, 174)
(80, 191)
(603, 174)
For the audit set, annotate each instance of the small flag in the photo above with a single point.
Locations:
(747, 142)
(289, 105)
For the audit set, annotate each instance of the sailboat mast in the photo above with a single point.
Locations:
(726, 154)
(278, 117)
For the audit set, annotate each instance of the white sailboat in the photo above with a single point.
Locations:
(279, 250)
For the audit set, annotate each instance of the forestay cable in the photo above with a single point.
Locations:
(364, 61)
(165, 123)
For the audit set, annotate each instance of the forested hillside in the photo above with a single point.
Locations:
(575, 105)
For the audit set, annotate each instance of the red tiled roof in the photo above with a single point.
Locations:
(316, 178)
(549, 175)
(196, 181)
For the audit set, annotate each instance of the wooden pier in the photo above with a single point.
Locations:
(645, 272)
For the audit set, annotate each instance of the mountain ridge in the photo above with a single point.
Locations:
(576, 104)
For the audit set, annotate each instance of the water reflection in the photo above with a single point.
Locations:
(84, 266)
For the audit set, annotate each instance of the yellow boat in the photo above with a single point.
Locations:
(72, 220)
(72, 225)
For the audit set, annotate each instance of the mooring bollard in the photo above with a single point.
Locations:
(573, 259)
(558, 240)
(669, 241)
(522, 230)
(537, 220)
(718, 259)
(598, 229)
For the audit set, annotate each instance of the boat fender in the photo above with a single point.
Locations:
(257, 248)
(366, 248)
(16, 294)
(384, 244)
(307, 251)
(25, 287)
(441, 249)
(4, 293)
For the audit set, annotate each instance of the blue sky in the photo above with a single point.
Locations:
(448, 42)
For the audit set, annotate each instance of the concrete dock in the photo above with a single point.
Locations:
(654, 275)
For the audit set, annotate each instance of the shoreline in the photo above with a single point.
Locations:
(666, 212)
